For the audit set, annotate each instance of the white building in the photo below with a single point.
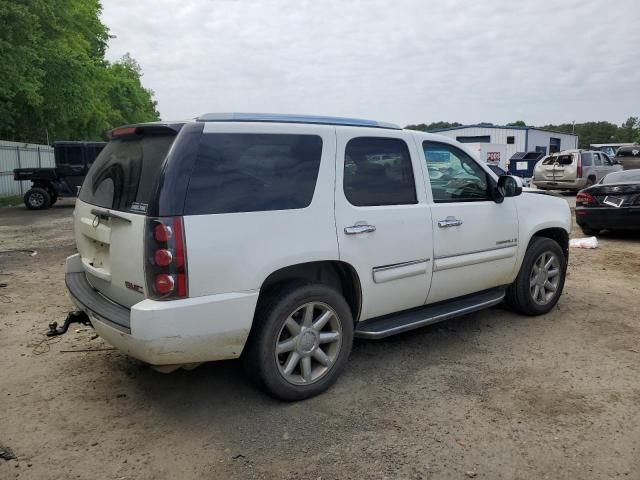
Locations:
(516, 139)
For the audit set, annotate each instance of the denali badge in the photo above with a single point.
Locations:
(134, 287)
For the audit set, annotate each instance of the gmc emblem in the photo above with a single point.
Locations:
(134, 287)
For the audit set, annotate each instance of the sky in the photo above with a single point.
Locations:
(401, 61)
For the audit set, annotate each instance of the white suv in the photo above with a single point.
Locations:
(281, 238)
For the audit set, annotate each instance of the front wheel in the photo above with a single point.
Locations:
(540, 281)
(301, 340)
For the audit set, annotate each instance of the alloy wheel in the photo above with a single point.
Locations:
(308, 344)
(544, 278)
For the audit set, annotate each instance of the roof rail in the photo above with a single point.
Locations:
(285, 118)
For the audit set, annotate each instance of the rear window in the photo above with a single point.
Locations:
(125, 173)
(242, 172)
(628, 152)
(622, 177)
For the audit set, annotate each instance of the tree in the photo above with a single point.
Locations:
(629, 130)
(423, 127)
(517, 123)
(65, 87)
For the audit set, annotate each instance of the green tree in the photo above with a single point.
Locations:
(629, 130)
(424, 127)
(517, 123)
(65, 88)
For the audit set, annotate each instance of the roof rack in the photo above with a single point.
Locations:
(285, 118)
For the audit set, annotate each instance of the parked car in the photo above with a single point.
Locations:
(279, 238)
(73, 160)
(612, 204)
(628, 157)
(572, 170)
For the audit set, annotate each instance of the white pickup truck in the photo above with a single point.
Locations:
(280, 238)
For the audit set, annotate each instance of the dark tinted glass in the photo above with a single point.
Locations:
(454, 176)
(587, 159)
(377, 171)
(511, 140)
(247, 172)
(125, 173)
(628, 152)
(68, 155)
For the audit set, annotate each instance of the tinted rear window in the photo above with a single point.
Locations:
(124, 175)
(241, 172)
(622, 177)
(628, 152)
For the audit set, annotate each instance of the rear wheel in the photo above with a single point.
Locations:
(540, 281)
(301, 341)
(590, 181)
(37, 199)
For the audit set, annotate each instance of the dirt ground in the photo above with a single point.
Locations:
(491, 395)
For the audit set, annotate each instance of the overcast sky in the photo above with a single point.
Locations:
(404, 61)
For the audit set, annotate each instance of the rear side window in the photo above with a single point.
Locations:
(124, 175)
(378, 171)
(587, 159)
(247, 172)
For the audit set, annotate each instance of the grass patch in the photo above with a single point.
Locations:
(9, 201)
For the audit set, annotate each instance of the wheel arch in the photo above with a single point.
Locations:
(557, 234)
(334, 273)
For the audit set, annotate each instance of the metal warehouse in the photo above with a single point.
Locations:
(515, 139)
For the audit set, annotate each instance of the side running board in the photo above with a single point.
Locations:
(406, 320)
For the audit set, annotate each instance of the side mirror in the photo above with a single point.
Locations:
(509, 186)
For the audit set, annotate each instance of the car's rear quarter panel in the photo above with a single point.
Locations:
(236, 252)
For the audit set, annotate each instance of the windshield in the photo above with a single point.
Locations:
(624, 176)
(125, 173)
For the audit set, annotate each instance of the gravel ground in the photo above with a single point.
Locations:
(490, 395)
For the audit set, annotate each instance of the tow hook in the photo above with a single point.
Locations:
(72, 317)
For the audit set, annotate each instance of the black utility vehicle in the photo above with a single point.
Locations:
(73, 160)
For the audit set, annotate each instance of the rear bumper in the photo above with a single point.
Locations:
(192, 330)
(578, 184)
(623, 218)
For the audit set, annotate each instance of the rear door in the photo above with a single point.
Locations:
(475, 240)
(382, 218)
(565, 167)
(110, 214)
(544, 169)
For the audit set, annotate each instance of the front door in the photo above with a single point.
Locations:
(383, 220)
(474, 239)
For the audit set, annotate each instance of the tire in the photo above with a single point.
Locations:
(272, 326)
(590, 182)
(37, 199)
(590, 231)
(520, 294)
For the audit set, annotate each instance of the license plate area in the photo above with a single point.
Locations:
(613, 201)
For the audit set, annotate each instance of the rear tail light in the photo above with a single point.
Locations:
(166, 259)
(579, 174)
(584, 198)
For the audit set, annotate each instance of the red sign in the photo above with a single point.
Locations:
(493, 156)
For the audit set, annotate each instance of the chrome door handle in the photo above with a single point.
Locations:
(449, 222)
(356, 229)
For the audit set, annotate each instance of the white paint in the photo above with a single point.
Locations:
(230, 255)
